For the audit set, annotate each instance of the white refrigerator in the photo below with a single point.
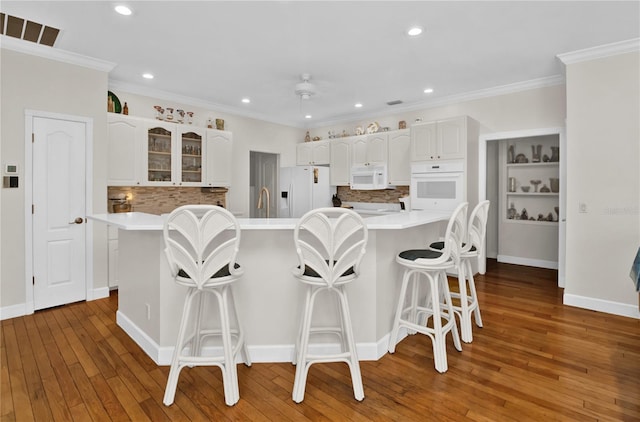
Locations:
(303, 189)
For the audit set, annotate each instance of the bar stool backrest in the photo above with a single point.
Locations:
(331, 243)
(477, 229)
(454, 235)
(201, 242)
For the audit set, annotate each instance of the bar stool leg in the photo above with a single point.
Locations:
(465, 314)
(302, 367)
(354, 364)
(452, 319)
(393, 338)
(438, 339)
(474, 294)
(176, 366)
(229, 369)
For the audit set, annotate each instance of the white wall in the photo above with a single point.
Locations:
(248, 135)
(30, 82)
(603, 172)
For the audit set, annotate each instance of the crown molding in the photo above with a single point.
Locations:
(451, 99)
(196, 102)
(28, 47)
(601, 51)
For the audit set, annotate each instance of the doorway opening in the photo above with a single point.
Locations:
(263, 184)
(523, 174)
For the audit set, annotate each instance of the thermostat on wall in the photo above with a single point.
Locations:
(11, 169)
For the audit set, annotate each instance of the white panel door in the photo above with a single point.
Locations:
(58, 212)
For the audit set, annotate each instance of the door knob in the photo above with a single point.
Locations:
(78, 220)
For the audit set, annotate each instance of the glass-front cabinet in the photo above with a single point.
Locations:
(160, 154)
(191, 153)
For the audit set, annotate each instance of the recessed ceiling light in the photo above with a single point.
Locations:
(358, 105)
(308, 116)
(123, 10)
(428, 90)
(246, 100)
(414, 31)
(147, 75)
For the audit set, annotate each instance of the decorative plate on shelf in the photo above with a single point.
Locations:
(117, 107)
(373, 127)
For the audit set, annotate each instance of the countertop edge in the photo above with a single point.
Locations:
(396, 221)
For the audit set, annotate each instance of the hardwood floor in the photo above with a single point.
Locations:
(535, 359)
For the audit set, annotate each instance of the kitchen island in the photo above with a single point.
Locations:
(269, 298)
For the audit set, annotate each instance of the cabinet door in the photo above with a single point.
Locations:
(218, 150)
(304, 154)
(321, 152)
(112, 270)
(340, 165)
(424, 142)
(399, 164)
(359, 151)
(161, 154)
(377, 148)
(124, 156)
(191, 155)
(452, 138)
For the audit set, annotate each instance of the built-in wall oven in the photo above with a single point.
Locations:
(437, 185)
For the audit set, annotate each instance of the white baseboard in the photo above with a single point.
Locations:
(600, 305)
(13, 311)
(258, 354)
(540, 263)
(99, 293)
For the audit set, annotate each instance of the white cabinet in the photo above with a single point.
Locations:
(112, 269)
(124, 157)
(340, 164)
(161, 152)
(192, 155)
(398, 154)
(439, 140)
(218, 150)
(313, 153)
(147, 152)
(370, 149)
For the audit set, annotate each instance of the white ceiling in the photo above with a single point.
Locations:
(218, 52)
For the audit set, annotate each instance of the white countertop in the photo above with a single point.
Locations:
(389, 221)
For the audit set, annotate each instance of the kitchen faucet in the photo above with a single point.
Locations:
(265, 191)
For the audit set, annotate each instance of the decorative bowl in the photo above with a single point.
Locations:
(525, 188)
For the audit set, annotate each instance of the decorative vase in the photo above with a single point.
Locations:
(555, 154)
(554, 184)
(511, 154)
(535, 153)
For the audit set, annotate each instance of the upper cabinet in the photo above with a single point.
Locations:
(340, 164)
(124, 135)
(191, 155)
(146, 152)
(399, 165)
(370, 149)
(439, 140)
(218, 149)
(162, 154)
(313, 153)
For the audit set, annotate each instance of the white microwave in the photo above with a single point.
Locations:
(370, 177)
(437, 186)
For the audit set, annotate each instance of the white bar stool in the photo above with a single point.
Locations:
(472, 247)
(201, 245)
(431, 265)
(330, 243)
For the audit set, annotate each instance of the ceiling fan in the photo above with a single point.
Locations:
(305, 89)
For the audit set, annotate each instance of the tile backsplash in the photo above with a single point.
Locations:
(382, 196)
(161, 200)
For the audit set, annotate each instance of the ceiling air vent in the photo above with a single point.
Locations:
(28, 30)
(395, 102)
